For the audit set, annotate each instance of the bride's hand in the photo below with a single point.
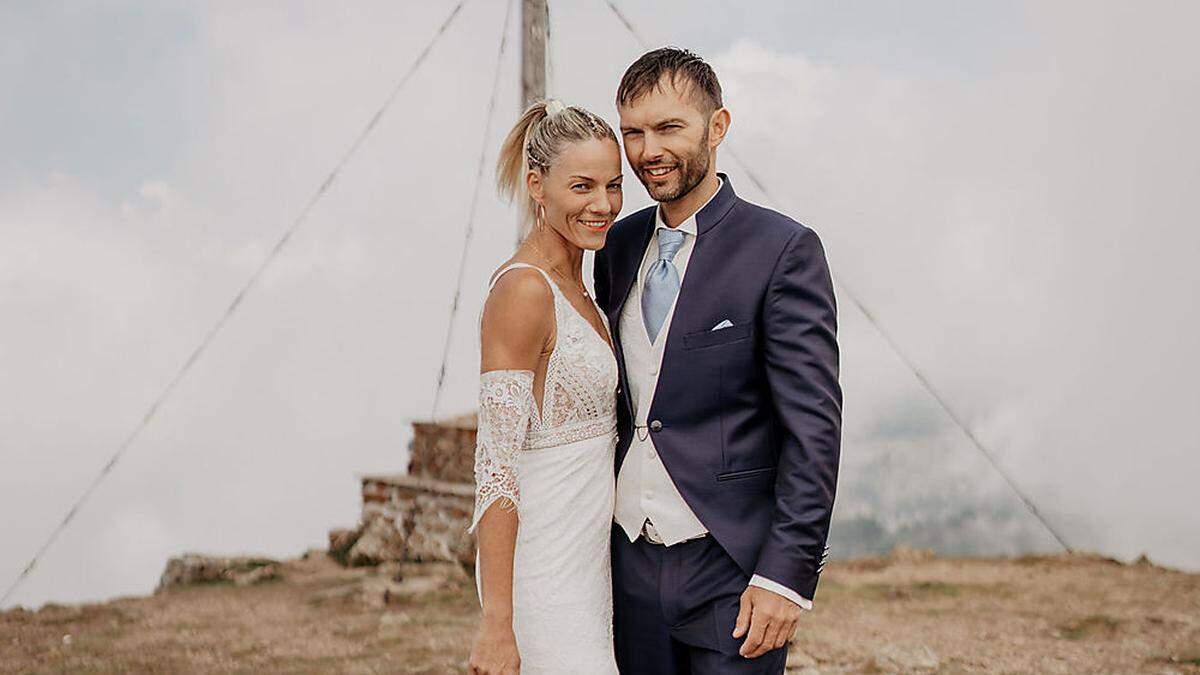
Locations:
(495, 650)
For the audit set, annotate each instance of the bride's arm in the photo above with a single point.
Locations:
(516, 329)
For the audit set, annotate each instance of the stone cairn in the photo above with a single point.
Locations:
(191, 569)
(421, 516)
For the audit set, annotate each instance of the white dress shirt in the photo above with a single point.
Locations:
(645, 490)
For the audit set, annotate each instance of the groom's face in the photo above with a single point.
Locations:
(666, 140)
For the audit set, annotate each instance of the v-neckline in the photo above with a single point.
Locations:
(540, 405)
(603, 319)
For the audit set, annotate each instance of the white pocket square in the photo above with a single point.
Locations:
(724, 324)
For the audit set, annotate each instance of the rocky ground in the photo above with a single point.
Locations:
(905, 613)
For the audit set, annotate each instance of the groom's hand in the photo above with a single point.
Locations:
(769, 618)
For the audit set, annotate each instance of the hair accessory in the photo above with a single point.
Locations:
(554, 106)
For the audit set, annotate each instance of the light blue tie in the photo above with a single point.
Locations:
(662, 282)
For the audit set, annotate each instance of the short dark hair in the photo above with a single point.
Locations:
(678, 64)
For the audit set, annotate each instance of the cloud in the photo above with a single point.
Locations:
(107, 287)
(1018, 253)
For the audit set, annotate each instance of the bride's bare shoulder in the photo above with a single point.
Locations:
(524, 286)
(518, 319)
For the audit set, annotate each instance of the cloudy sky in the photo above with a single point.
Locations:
(1010, 189)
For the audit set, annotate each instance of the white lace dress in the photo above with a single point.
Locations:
(556, 466)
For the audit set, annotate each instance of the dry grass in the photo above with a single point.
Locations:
(312, 621)
(1068, 614)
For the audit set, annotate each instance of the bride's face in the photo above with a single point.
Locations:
(581, 192)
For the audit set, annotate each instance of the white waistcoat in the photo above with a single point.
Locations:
(644, 488)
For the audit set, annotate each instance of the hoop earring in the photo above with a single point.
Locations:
(540, 218)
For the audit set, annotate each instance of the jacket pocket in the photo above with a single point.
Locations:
(745, 473)
(712, 338)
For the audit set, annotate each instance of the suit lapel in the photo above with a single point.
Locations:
(624, 279)
(631, 263)
(698, 266)
(700, 263)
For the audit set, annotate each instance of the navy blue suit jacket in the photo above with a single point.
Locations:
(747, 419)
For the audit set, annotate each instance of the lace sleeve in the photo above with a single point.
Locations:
(505, 407)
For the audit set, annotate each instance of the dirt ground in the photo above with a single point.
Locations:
(1058, 614)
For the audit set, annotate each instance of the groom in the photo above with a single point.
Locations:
(729, 410)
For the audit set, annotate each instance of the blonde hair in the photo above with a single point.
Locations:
(536, 141)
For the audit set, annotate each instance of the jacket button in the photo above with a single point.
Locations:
(656, 426)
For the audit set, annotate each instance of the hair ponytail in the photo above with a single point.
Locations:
(513, 164)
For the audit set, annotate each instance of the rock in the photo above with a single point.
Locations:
(256, 575)
(379, 592)
(902, 553)
(436, 528)
(430, 515)
(444, 450)
(192, 568)
(340, 542)
(378, 542)
(905, 659)
(415, 586)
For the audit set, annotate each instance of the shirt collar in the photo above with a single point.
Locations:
(689, 225)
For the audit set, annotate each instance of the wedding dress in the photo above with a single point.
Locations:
(554, 462)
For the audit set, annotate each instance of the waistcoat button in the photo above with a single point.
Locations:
(656, 426)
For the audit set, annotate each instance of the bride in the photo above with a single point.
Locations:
(547, 409)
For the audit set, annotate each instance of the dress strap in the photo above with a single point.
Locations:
(553, 287)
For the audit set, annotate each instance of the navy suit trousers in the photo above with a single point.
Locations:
(674, 609)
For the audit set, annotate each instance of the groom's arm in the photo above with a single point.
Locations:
(801, 355)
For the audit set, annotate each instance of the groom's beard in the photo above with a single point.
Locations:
(692, 170)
